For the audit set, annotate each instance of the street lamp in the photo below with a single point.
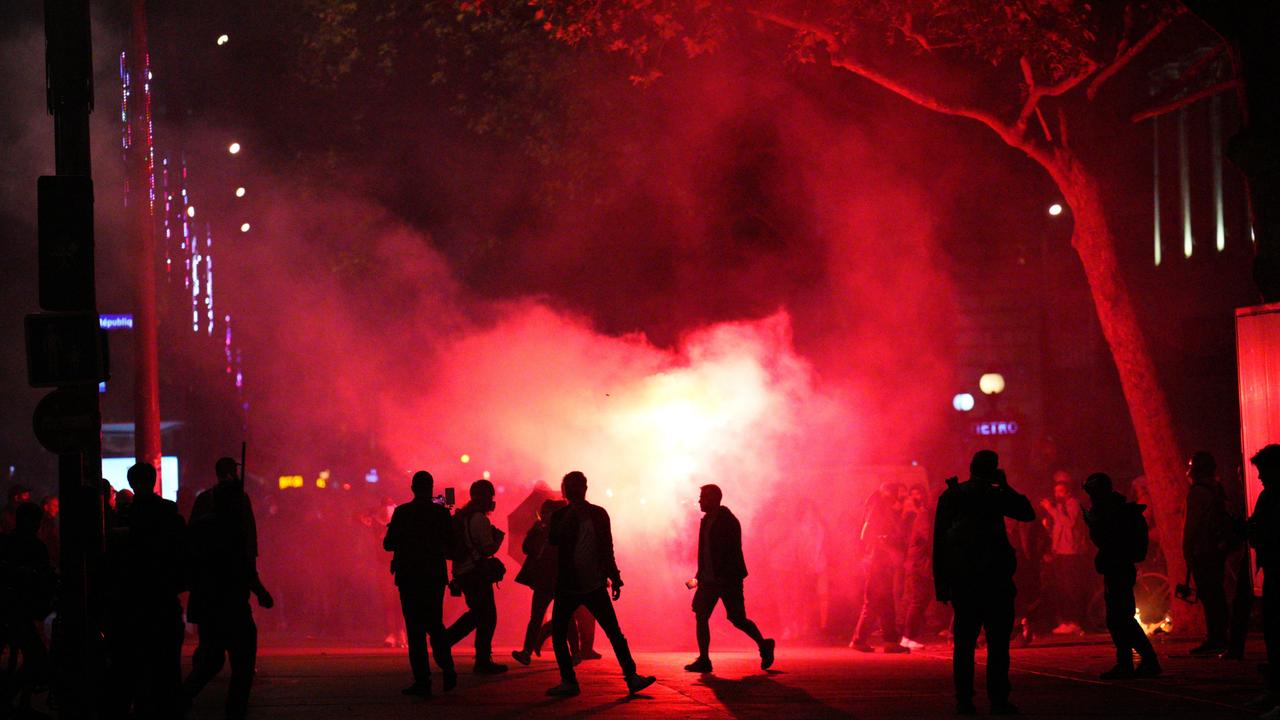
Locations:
(991, 383)
(962, 402)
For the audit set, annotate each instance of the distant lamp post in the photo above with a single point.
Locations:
(1055, 209)
(991, 383)
(962, 402)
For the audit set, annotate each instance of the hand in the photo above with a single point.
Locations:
(265, 601)
(617, 592)
(1046, 503)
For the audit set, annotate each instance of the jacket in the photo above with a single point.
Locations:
(971, 550)
(419, 537)
(583, 537)
(722, 560)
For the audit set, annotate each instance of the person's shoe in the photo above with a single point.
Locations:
(861, 646)
(450, 679)
(418, 689)
(1005, 708)
(766, 654)
(521, 656)
(896, 650)
(1148, 669)
(966, 707)
(591, 655)
(488, 667)
(1208, 648)
(910, 644)
(1119, 672)
(636, 683)
(701, 665)
(564, 689)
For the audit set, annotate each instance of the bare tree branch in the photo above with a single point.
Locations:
(1184, 101)
(1036, 93)
(1126, 55)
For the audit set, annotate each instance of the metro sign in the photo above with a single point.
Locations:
(995, 427)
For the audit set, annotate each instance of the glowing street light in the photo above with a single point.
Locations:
(239, 192)
(1055, 209)
(244, 227)
(962, 402)
(485, 475)
(191, 211)
(465, 459)
(223, 39)
(233, 148)
(991, 384)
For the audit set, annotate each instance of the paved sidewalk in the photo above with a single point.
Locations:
(1050, 680)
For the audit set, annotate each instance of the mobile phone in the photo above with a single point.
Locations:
(449, 496)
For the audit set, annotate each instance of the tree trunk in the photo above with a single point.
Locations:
(1148, 409)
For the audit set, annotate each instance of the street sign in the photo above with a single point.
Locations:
(65, 232)
(66, 349)
(67, 420)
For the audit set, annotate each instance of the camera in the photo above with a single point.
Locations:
(448, 499)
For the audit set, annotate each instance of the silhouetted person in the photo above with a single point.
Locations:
(27, 582)
(147, 550)
(420, 535)
(884, 539)
(721, 572)
(1204, 541)
(1264, 535)
(18, 495)
(973, 566)
(582, 534)
(1068, 555)
(478, 541)
(224, 572)
(1119, 530)
(918, 570)
(538, 572)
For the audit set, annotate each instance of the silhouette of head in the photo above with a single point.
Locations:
(1098, 485)
(984, 465)
(482, 493)
(226, 469)
(422, 484)
(1061, 490)
(52, 506)
(574, 486)
(1267, 460)
(1201, 466)
(27, 518)
(548, 508)
(19, 494)
(710, 497)
(142, 478)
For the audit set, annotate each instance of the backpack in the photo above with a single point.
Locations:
(1137, 533)
(459, 550)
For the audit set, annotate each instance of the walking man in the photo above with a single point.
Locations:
(1119, 531)
(973, 566)
(419, 537)
(721, 571)
(224, 559)
(582, 533)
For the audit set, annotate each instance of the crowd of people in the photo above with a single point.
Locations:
(982, 549)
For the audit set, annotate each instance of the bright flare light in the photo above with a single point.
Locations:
(223, 39)
(244, 227)
(239, 192)
(233, 148)
(1055, 209)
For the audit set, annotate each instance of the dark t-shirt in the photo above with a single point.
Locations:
(419, 536)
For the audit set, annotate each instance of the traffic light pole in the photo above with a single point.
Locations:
(77, 636)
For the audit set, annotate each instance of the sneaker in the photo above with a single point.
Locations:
(418, 689)
(1119, 672)
(636, 683)
(450, 679)
(488, 667)
(701, 665)
(910, 644)
(766, 653)
(966, 707)
(1148, 669)
(861, 646)
(896, 650)
(1005, 708)
(564, 689)
(521, 656)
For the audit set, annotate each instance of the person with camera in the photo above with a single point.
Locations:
(419, 537)
(1119, 530)
(721, 571)
(586, 568)
(973, 566)
(475, 570)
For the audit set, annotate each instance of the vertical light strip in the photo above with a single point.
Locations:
(1215, 132)
(208, 279)
(1184, 182)
(1155, 184)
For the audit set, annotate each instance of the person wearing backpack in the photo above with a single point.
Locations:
(475, 570)
(1119, 530)
(973, 566)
